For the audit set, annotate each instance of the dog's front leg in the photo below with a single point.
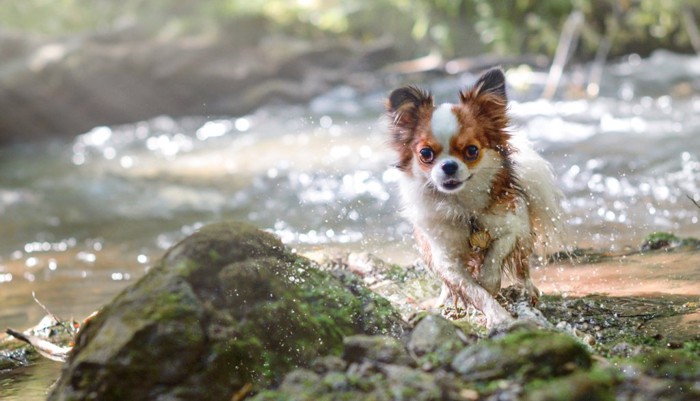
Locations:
(502, 249)
(490, 273)
(522, 274)
(451, 269)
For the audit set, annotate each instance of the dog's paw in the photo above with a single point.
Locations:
(533, 292)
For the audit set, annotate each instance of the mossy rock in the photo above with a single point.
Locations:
(596, 385)
(227, 306)
(367, 377)
(668, 241)
(434, 341)
(660, 240)
(523, 354)
(668, 364)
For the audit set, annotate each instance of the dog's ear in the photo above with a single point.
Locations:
(487, 101)
(488, 94)
(491, 82)
(407, 105)
(489, 88)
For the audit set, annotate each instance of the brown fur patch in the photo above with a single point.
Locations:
(483, 122)
(505, 189)
(519, 259)
(409, 110)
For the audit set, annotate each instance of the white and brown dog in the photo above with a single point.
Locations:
(479, 202)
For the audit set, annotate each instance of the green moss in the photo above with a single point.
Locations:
(469, 327)
(522, 354)
(668, 364)
(596, 385)
(664, 240)
(225, 307)
(659, 240)
(308, 315)
(692, 243)
(692, 347)
(396, 273)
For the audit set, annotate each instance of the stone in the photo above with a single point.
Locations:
(522, 354)
(435, 341)
(226, 308)
(581, 386)
(381, 349)
(110, 79)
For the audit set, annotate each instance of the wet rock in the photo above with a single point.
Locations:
(623, 349)
(15, 353)
(660, 374)
(108, 79)
(524, 353)
(435, 341)
(328, 363)
(660, 240)
(519, 303)
(364, 263)
(226, 307)
(603, 321)
(390, 382)
(368, 377)
(668, 364)
(582, 386)
(668, 241)
(527, 363)
(381, 349)
(401, 285)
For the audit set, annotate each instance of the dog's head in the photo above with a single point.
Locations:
(451, 144)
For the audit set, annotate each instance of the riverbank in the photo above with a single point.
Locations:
(620, 326)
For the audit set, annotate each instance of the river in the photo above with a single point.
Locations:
(80, 219)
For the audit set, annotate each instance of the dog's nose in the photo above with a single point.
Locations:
(450, 167)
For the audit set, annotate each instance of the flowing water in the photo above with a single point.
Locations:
(82, 218)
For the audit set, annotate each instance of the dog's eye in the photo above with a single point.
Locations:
(472, 152)
(426, 155)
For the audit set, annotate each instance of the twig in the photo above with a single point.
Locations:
(242, 392)
(46, 310)
(693, 200)
(567, 43)
(67, 325)
(691, 27)
(45, 348)
(594, 78)
(430, 62)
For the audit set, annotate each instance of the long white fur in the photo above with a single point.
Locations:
(544, 197)
(443, 218)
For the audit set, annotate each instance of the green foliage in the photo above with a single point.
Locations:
(452, 27)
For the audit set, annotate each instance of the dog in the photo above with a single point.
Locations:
(479, 199)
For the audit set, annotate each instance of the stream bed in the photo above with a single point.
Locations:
(81, 219)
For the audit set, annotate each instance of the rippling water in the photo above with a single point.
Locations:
(79, 219)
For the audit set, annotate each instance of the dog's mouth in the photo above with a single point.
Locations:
(452, 185)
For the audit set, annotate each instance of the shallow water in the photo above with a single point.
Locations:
(29, 382)
(81, 219)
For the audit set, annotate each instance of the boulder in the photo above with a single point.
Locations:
(67, 86)
(526, 353)
(226, 309)
(435, 341)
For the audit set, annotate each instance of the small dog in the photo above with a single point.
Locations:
(479, 202)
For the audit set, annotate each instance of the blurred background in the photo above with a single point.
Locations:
(67, 65)
(126, 125)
